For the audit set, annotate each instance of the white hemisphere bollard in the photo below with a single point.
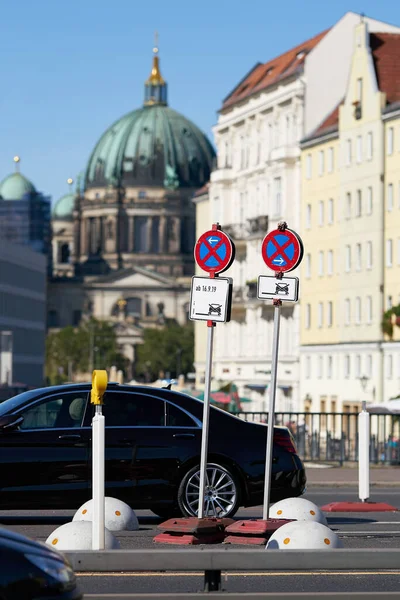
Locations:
(118, 515)
(303, 535)
(299, 509)
(78, 535)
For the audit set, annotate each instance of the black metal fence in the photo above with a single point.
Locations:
(333, 437)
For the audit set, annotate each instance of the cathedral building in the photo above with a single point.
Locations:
(123, 241)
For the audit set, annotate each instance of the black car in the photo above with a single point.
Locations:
(153, 439)
(32, 570)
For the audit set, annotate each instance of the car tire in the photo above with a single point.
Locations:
(222, 490)
(166, 512)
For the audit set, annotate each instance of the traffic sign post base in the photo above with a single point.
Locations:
(360, 507)
(192, 531)
(255, 532)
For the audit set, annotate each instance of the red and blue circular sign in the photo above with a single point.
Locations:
(282, 251)
(214, 251)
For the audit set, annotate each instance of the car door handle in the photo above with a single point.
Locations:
(183, 436)
(69, 437)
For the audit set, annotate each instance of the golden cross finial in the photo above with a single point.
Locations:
(17, 160)
(155, 49)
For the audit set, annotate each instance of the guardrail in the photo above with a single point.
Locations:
(333, 437)
(259, 596)
(215, 561)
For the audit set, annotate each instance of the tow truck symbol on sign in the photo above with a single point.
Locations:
(282, 289)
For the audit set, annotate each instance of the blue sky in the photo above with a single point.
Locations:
(69, 69)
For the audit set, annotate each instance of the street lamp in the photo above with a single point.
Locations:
(364, 380)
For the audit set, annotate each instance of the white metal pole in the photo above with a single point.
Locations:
(271, 413)
(363, 454)
(206, 414)
(98, 460)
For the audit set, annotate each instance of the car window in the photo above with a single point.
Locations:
(66, 410)
(133, 410)
(178, 418)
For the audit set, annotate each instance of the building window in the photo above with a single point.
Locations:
(370, 146)
(76, 317)
(330, 262)
(358, 366)
(320, 367)
(398, 251)
(331, 160)
(308, 216)
(308, 316)
(370, 365)
(390, 197)
(369, 309)
(369, 255)
(308, 367)
(53, 319)
(389, 303)
(330, 314)
(389, 366)
(347, 259)
(330, 211)
(277, 196)
(321, 213)
(140, 236)
(358, 257)
(390, 141)
(308, 266)
(348, 205)
(320, 314)
(347, 366)
(321, 162)
(369, 201)
(142, 194)
(389, 253)
(329, 369)
(347, 311)
(320, 263)
(359, 204)
(309, 166)
(242, 152)
(358, 311)
(359, 148)
(348, 153)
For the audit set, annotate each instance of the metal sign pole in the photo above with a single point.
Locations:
(363, 454)
(99, 385)
(206, 414)
(271, 413)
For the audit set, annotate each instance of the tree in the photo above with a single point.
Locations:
(167, 350)
(93, 345)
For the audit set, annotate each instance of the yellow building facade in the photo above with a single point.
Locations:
(350, 228)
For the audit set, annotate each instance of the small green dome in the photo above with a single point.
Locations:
(16, 187)
(152, 146)
(64, 207)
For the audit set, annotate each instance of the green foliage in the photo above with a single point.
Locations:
(170, 349)
(387, 324)
(77, 350)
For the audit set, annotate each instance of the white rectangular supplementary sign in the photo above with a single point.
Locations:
(270, 287)
(210, 299)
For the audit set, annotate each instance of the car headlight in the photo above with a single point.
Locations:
(54, 568)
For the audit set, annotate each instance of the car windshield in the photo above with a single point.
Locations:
(15, 402)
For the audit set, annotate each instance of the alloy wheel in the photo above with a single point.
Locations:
(220, 492)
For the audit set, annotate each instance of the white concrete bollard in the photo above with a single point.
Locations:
(303, 535)
(77, 535)
(299, 509)
(118, 515)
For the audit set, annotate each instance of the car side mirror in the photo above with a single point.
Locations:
(10, 422)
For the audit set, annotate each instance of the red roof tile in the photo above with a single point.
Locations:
(386, 52)
(386, 56)
(264, 75)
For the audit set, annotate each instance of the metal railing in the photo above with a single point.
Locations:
(214, 562)
(333, 437)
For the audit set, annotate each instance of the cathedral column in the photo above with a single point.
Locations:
(149, 231)
(84, 237)
(162, 233)
(130, 233)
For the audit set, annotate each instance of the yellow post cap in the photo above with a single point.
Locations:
(99, 386)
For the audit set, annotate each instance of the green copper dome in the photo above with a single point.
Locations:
(16, 187)
(152, 146)
(64, 207)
